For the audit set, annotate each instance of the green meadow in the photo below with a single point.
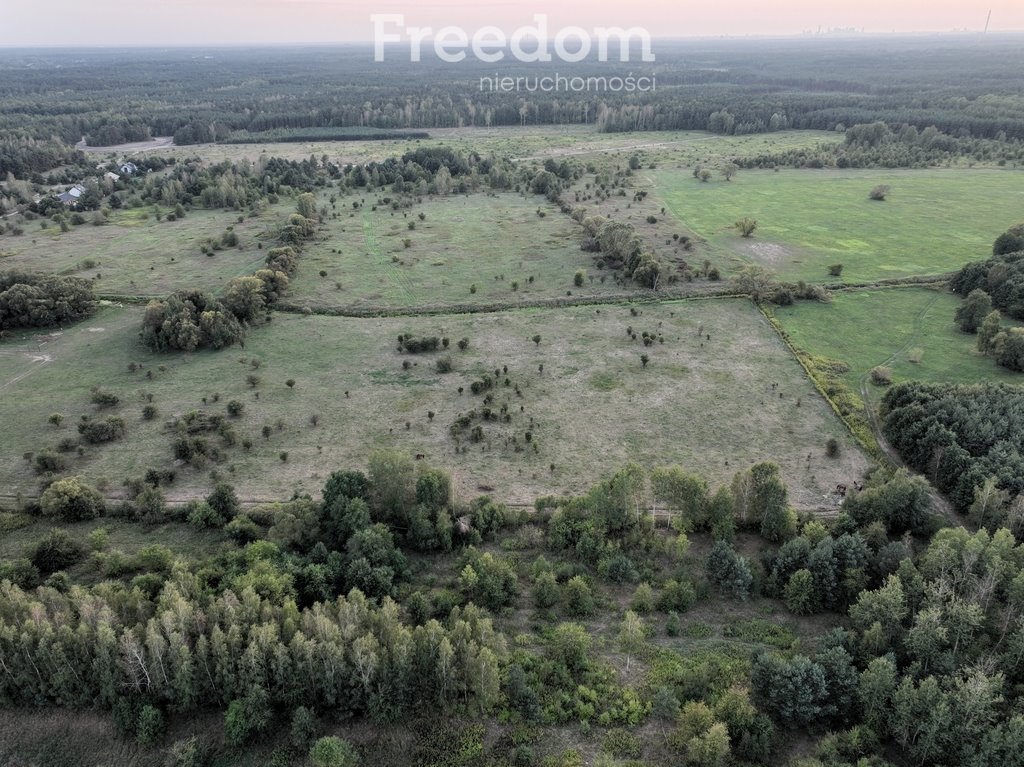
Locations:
(932, 222)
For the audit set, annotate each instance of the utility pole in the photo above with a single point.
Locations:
(987, 21)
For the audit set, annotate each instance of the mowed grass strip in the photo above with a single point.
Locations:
(932, 222)
(714, 405)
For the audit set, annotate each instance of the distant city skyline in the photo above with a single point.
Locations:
(240, 22)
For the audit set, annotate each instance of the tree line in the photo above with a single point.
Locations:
(41, 301)
(746, 88)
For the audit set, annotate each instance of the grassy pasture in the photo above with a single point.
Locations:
(933, 221)
(477, 240)
(134, 254)
(594, 407)
(909, 330)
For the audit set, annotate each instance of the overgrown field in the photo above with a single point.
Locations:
(135, 254)
(720, 393)
(540, 142)
(466, 249)
(932, 222)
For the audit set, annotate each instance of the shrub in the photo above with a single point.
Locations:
(150, 726)
(202, 516)
(103, 398)
(835, 270)
(57, 551)
(677, 597)
(832, 447)
(579, 599)
(72, 500)
(622, 744)
(881, 375)
(48, 462)
(246, 717)
(643, 599)
(224, 501)
(545, 590)
(729, 571)
(880, 192)
(242, 530)
(333, 752)
(98, 432)
(189, 752)
(235, 408)
(98, 539)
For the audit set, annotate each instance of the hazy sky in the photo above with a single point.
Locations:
(177, 22)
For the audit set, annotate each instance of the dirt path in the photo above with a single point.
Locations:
(160, 142)
(607, 150)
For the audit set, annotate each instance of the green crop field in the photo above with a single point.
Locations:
(708, 404)
(134, 254)
(909, 330)
(932, 222)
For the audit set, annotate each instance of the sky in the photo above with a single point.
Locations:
(237, 22)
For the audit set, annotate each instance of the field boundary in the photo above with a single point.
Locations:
(868, 442)
(664, 295)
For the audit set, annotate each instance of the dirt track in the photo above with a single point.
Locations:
(160, 142)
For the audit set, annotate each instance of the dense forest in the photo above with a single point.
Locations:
(53, 99)
(960, 436)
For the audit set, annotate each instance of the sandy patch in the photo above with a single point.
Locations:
(768, 253)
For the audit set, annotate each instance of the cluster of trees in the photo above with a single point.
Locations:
(990, 286)
(1005, 345)
(960, 436)
(40, 301)
(938, 650)
(188, 320)
(443, 171)
(300, 621)
(237, 186)
(761, 284)
(618, 247)
(1001, 277)
(881, 145)
(24, 157)
(118, 132)
(254, 656)
(191, 319)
